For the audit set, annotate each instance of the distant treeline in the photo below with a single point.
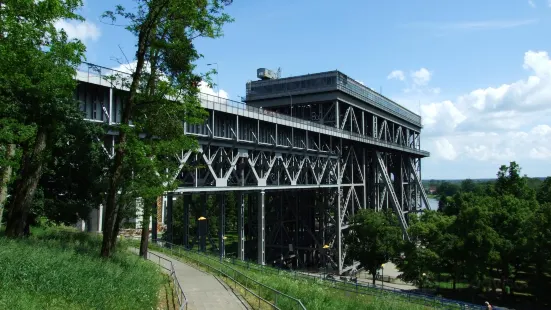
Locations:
(477, 186)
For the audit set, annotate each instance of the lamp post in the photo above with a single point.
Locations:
(202, 231)
(217, 85)
(326, 248)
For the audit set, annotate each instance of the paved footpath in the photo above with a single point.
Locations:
(203, 290)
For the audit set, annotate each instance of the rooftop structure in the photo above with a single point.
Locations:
(327, 82)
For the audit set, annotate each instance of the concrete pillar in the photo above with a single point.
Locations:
(100, 218)
(241, 227)
(261, 229)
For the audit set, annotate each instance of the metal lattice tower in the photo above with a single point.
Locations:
(303, 155)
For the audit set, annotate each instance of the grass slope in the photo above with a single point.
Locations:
(56, 269)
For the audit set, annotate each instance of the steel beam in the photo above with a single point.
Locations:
(186, 202)
(241, 227)
(222, 224)
(261, 229)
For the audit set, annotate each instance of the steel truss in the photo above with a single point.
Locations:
(298, 183)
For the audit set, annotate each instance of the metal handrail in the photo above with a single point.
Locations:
(364, 289)
(232, 104)
(277, 293)
(182, 299)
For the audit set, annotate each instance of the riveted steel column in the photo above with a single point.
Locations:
(203, 224)
(261, 229)
(187, 200)
(241, 227)
(222, 224)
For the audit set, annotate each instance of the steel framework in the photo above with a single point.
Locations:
(299, 179)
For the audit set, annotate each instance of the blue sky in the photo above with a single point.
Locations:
(478, 69)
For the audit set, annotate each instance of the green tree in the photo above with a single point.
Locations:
(477, 238)
(510, 182)
(161, 98)
(544, 191)
(74, 182)
(540, 246)
(374, 239)
(512, 220)
(37, 66)
(432, 249)
(468, 186)
(447, 189)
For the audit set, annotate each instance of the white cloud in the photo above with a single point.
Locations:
(83, 31)
(396, 74)
(540, 152)
(421, 77)
(474, 25)
(445, 149)
(204, 88)
(496, 124)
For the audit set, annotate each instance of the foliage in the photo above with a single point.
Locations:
(485, 231)
(374, 239)
(74, 182)
(160, 99)
(60, 270)
(544, 192)
(37, 66)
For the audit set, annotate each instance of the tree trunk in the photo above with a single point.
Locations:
(25, 186)
(116, 231)
(111, 206)
(144, 242)
(5, 179)
(373, 275)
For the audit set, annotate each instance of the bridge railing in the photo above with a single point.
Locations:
(113, 78)
(182, 299)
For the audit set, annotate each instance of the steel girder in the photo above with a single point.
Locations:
(306, 182)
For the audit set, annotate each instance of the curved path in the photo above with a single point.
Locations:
(203, 290)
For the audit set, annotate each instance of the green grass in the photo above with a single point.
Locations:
(312, 294)
(56, 269)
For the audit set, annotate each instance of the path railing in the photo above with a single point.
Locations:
(239, 279)
(347, 286)
(182, 299)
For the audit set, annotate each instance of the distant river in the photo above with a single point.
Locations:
(433, 204)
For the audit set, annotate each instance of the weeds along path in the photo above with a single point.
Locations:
(202, 290)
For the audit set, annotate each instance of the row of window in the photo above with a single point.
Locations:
(369, 95)
(271, 88)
